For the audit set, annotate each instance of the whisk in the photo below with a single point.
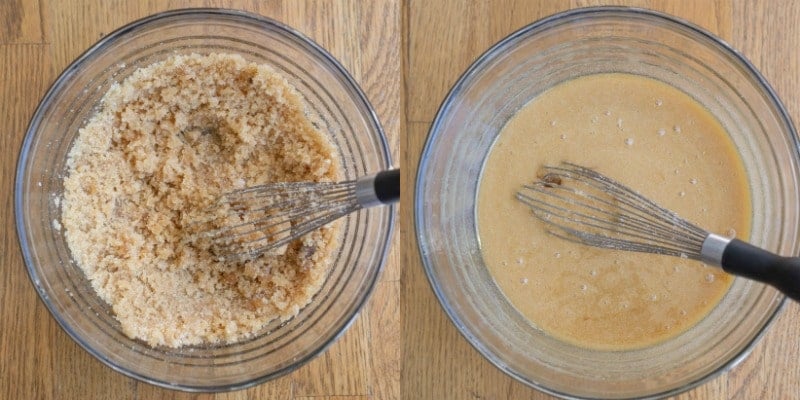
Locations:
(249, 222)
(581, 205)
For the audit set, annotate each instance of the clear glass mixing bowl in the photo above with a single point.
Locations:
(517, 69)
(335, 103)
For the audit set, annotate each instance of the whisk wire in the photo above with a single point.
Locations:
(289, 205)
(646, 208)
(584, 206)
(252, 221)
(247, 249)
(607, 242)
(546, 212)
(601, 220)
(641, 208)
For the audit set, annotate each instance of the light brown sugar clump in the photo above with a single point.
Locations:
(165, 143)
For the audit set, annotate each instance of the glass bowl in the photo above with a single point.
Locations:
(335, 103)
(509, 75)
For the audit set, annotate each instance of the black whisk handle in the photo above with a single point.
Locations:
(387, 186)
(377, 189)
(743, 259)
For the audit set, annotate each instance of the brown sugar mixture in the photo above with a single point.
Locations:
(166, 143)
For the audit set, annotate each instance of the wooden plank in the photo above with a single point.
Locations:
(768, 36)
(445, 37)
(277, 389)
(75, 25)
(69, 358)
(772, 367)
(20, 22)
(341, 26)
(380, 79)
(379, 36)
(442, 39)
(23, 355)
(342, 369)
(333, 25)
(385, 337)
(714, 15)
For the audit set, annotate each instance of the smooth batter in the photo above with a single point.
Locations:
(651, 137)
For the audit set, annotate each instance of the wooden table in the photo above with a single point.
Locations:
(402, 345)
(442, 38)
(37, 40)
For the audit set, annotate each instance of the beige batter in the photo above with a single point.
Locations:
(167, 142)
(651, 137)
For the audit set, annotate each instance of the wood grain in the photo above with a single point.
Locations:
(442, 39)
(23, 78)
(402, 345)
(20, 22)
(38, 39)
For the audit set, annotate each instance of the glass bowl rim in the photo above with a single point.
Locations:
(55, 88)
(524, 33)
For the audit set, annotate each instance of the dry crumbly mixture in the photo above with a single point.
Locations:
(167, 142)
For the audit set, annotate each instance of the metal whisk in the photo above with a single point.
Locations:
(581, 205)
(246, 223)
